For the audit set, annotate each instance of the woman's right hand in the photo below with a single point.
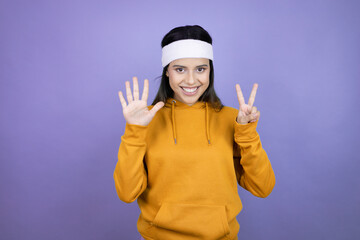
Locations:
(136, 111)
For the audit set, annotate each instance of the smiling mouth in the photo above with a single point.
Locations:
(190, 90)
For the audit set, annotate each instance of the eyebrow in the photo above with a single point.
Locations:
(204, 65)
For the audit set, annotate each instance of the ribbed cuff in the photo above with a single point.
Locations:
(245, 131)
(135, 134)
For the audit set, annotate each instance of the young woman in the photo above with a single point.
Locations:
(183, 156)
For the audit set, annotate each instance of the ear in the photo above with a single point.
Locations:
(167, 73)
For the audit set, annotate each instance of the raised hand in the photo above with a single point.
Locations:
(247, 112)
(136, 111)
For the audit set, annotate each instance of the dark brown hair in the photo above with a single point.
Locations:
(188, 32)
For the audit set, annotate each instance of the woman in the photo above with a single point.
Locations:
(182, 157)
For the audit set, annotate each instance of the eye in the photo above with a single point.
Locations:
(177, 69)
(203, 69)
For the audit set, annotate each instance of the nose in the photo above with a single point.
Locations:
(190, 78)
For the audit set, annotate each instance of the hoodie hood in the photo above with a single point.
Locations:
(176, 104)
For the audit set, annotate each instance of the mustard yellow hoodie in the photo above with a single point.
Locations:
(184, 167)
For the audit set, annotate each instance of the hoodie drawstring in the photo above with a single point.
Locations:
(173, 119)
(206, 121)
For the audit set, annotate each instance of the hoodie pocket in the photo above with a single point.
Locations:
(192, 220)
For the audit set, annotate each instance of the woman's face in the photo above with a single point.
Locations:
(189, 78)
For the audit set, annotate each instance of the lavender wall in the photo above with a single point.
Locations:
(62, 63)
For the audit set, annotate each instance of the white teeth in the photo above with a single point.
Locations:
(190, 90)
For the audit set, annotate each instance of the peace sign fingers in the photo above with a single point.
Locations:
(247, 112)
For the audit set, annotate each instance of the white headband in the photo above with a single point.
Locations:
(186, 48)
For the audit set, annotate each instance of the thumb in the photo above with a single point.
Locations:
(157, 107)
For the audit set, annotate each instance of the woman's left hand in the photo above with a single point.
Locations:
(247, 112)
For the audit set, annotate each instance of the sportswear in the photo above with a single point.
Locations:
(184, 167)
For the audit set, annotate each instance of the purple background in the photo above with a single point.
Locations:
(63, 62)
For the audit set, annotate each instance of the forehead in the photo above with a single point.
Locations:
(188, 62)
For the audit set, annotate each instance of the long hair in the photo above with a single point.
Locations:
(188, 32)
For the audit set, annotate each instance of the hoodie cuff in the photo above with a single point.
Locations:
(135, 134)
(245, 131)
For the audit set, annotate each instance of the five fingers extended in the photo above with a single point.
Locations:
(135, 95)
